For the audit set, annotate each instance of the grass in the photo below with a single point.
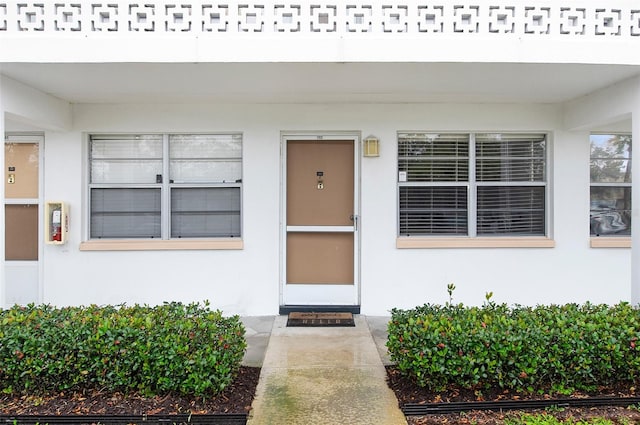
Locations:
(546, 419)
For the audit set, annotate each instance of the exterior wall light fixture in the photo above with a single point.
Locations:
(371, 146)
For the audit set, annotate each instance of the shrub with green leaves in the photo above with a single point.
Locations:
(545, 348)
(185, 349)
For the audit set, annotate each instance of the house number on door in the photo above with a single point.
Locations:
(11, 179)
(320, 174)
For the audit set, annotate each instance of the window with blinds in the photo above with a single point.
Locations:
(434, 172)
(165, 186)
(472, 184)
(610, 170)
(510, 184)
(205, 212)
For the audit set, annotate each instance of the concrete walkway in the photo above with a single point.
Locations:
(318, 376)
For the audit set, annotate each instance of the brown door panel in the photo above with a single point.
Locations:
(320, 183)
(320, 258)
(21, 232)
(21, 170)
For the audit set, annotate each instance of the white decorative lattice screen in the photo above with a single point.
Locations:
(586, 18)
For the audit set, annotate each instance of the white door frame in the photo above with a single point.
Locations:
(26, 268)
(321, 295)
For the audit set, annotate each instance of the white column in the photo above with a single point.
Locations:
(635, 199)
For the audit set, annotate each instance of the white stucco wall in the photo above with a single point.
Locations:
(247, 281)
(28, 106)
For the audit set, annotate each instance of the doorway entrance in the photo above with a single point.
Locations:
(22, 216)
(320, 238)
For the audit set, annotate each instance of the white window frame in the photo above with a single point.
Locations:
(472, 239)
(165, 242)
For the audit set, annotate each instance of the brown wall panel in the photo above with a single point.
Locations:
(23, 158)
(306, 204)
(325, 258)
(21, 232)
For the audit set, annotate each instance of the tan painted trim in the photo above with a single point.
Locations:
(158, 245)
(524, 242)
(621, 242)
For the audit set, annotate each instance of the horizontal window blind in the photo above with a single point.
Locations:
(511, 145)
(209, 158)
(434, 157)
(433, 210)
(205, 171)
(510, 157)
(123, 146)
(205, 212)
(125, 213)
(125, 158)
(192, 146)
(509, 210)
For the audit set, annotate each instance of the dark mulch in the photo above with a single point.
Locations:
(236, 398)
(408, 392)
(239, 396)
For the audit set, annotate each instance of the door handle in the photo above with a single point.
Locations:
(354, 218)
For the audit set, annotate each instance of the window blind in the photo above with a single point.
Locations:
(434, 157)
(433, 210)
(510, 157)
(510, 210)
(205, 212)
(205, 158)
(125, 213)
(125, 158)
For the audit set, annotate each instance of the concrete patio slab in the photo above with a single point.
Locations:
(257, 333)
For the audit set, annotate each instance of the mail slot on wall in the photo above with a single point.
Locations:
(56, 228)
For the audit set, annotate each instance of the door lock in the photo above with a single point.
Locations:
(319, 175)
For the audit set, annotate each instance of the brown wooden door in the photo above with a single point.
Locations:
(320, 218)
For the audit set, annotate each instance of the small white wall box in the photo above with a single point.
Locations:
(56, 223)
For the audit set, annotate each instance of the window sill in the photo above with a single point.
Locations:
(161, 245)
(514, 242)
(609, 242)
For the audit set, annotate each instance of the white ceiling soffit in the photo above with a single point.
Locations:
(317, 82)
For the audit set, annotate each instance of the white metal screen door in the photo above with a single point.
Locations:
(21, 235)
(321, 238)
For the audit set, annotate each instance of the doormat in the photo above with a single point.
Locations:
(301, 319)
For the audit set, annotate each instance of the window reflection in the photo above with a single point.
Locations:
(610, 169)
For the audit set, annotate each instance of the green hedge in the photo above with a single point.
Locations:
(544, 348)
(186, 349)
